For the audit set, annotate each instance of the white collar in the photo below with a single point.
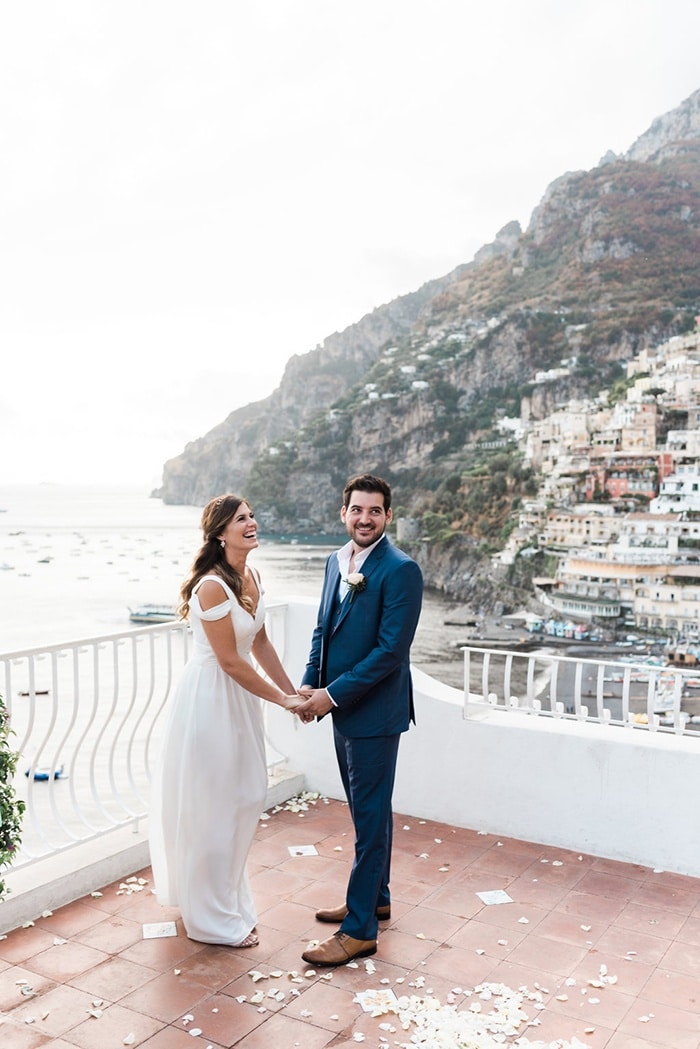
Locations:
(361, 556)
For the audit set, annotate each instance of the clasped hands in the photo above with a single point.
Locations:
(311, 703)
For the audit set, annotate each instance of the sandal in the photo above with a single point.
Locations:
(250, 940)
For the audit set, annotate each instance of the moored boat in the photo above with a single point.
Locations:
(153, 614)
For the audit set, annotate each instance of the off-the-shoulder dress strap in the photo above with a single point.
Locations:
(217, 579)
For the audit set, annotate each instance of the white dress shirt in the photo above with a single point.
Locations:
(344, 555)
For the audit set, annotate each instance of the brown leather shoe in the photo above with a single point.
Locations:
(339, 949)
(336, 915)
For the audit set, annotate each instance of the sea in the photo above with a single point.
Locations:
(74, 559)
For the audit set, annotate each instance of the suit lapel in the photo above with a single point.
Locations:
(330, 597)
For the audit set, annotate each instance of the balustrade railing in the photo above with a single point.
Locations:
(608, 691)
(85, 718)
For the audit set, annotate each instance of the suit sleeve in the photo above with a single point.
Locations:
(312, 672)
(402, 598)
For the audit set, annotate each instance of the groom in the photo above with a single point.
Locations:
(359, 671)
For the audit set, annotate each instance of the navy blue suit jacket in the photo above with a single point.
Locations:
(361, 651)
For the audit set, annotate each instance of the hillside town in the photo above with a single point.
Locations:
(619, 503)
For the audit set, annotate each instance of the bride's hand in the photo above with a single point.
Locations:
(291, 703)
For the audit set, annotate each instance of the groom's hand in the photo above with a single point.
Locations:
(315, 702)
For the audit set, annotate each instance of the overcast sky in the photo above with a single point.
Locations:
(191, 192)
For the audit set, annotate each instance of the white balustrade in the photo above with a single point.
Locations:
(610, 692)
(86, 717)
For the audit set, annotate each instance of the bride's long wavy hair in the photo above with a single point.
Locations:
(211, 557)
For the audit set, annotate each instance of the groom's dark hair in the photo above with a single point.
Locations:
(367, 483)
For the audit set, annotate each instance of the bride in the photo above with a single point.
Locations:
(211, 782)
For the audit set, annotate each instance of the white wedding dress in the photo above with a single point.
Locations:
(210, 787)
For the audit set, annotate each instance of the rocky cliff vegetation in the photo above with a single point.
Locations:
(417, 390)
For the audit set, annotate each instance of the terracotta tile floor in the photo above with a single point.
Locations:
(85, 976)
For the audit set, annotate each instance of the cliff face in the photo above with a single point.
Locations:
(609, 264)
(311, 383)
(668, 131)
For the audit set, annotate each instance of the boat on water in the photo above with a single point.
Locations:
(153, 614)
(41, 773)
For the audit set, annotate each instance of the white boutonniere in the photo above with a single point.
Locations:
(356, 582)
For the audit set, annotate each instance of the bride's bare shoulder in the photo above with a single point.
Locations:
(211, 591)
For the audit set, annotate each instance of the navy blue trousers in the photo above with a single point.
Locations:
(367, 769)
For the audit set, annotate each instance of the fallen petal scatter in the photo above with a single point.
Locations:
(432, 1025)
(300, 804)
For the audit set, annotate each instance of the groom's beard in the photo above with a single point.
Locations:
(366, 537)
